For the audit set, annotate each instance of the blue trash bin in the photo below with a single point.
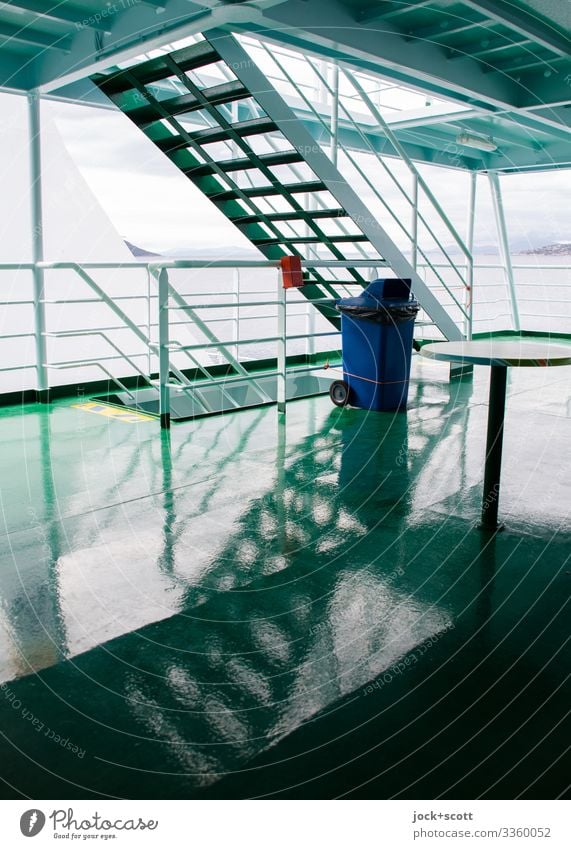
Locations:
(377, 336)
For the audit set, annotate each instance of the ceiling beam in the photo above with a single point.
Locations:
(487, 45)
(499, 48)
(544, 87)
(33, 37)
(526, 64)
(524, 23)
(135, 30)
(385, 49)
(559, 116)
(13, 73)
(403, 7)
(421, 65)
(438, 148)
(60, 13)
(457, 25)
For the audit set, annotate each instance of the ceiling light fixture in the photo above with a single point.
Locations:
(479, 142)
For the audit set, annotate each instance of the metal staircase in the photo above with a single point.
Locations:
(213, 112)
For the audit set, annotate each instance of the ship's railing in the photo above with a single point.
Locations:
(105, 318)
(130, 332)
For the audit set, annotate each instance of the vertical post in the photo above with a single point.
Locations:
(415, 221)
(236, 311)
(310, 329)
(335, 115)
(149, 350)
(504, 244)
(469, 301)
(496, 413)
(37, 243)
(164, 367)
(282, 353)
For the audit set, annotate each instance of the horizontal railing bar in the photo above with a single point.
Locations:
(61, 265)
(77, 330)
(494, 317)
(17, 336)
(314, 335)
(495, 265)
(17, 368)
(93, 300)
(229, 344)
(239, 305)
(224, 305)
(550, 285)
(201, 264)
(542, 301)
(174, 348)
(88, 362)
(14, 303)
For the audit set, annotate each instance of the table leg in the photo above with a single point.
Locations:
(498, 381)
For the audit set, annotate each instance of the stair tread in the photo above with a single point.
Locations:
(244, 163)
(255, 126)
(262, 191)
(215, 95)
(188, 58)
(307, 240)
(291, 216)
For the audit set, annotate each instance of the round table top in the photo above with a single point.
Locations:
(489, 352)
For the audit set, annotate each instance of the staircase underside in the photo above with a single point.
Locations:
(244, 148)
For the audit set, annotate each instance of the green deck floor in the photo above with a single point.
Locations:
(243, 609)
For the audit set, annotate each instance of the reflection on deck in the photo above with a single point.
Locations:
(196, 600)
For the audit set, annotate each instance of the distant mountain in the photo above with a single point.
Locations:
(139, 252)
(557, 249)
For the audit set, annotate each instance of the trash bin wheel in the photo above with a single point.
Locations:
(339, 393)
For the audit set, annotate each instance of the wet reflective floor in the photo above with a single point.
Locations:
(244, 608)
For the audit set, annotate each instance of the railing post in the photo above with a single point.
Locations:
(236, 321)
(164, 368)
(37, 243)
(415, 221)
(310, 329)
(282, 353)
(470, 260)
(149, 323)
(504, 244)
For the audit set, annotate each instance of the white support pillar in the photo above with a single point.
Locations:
(470, 259)
(282, 353)
(335, 116)
(34, 128)
(504, 244)
(164, 366)
(415, 221)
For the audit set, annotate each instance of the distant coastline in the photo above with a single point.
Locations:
(246, 254)
(557, 249)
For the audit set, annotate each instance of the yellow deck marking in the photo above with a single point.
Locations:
(128, 416)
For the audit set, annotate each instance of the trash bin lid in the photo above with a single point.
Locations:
(382, 295)
(390, 289)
